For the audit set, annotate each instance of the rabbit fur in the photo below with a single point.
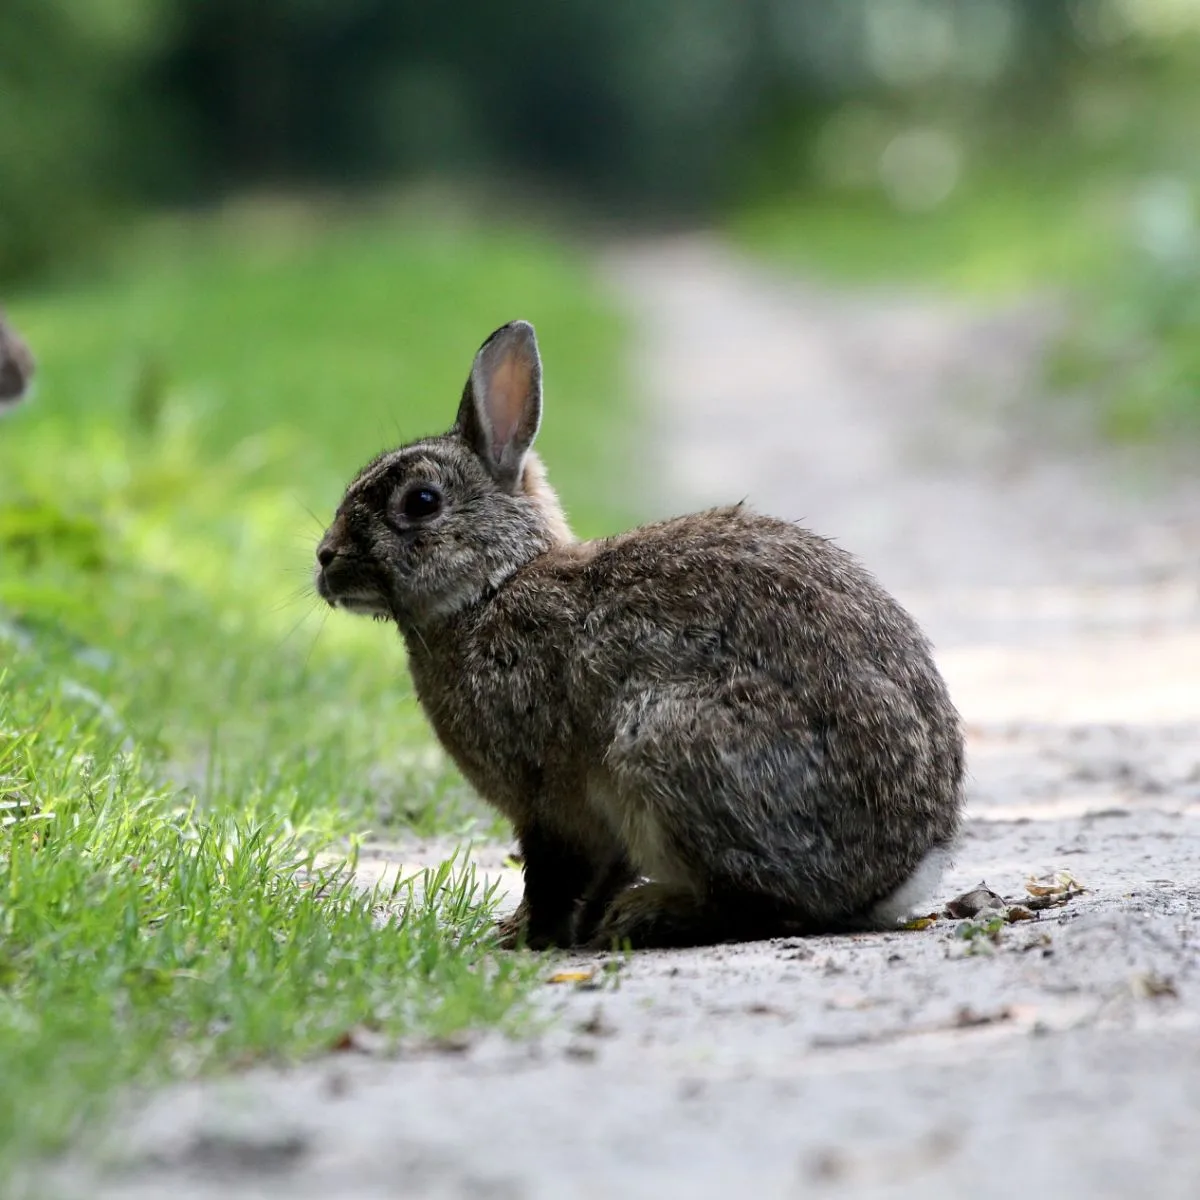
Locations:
(16, 366)
(711, 728)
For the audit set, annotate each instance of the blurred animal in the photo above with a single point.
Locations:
(16, 366)
(710, 728)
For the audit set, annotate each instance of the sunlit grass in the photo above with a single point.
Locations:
(182, 728)
(144, 938)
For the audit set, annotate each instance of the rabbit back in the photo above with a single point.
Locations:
(724, 703)
(729, 698)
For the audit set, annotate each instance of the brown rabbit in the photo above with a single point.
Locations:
(715, 727)
(16, 366)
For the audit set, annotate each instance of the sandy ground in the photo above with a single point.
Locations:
(1062, 592)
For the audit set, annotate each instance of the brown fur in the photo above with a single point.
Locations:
(16, 365)
(724, 704)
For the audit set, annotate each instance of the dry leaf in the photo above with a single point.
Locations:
(572, 977)
(979, 899)
(1018, 912)
(920, 922)
(1061, 883)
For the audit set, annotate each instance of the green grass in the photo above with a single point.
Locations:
(141, 938)
(181, 728)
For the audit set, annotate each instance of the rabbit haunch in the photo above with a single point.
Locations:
(713, 727)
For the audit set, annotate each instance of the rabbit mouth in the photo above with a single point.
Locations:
(366, 606)
(365, 602)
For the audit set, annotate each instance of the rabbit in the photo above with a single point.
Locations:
(712, 728)
(16, 366)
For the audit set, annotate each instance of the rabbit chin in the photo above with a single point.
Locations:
(363, 606)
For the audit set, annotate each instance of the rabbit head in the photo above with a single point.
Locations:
(427, 530)
(16, 365)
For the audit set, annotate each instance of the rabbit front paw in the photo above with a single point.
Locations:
(520, 931)
(511, 930)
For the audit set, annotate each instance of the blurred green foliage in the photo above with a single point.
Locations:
(671, 103)
(994, 144)
(1134, 345)
(71, 117)
(1095, 195)
(202, 405)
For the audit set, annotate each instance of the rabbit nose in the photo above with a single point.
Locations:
(325, 554)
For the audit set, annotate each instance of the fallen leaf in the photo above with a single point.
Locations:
(572, 977)
(982, 935)
(1018, 912)
(1041, 903)
(917, 923)
(978, 900)
(1060, 883)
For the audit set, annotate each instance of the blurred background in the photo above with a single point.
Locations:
(986, 144)
(252, 243)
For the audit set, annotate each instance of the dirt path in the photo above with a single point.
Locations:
(1063, 596)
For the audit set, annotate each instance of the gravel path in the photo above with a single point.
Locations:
(1062, 592)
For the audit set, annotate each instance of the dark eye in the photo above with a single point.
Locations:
(420, 502)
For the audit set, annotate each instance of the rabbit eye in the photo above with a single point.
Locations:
(420, 502)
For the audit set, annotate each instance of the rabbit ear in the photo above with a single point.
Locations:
(502, 403)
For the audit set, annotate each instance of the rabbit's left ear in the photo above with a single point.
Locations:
(502, 403)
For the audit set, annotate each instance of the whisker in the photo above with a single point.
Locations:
(287, 637)
(421, 639)
(316, 638)
(316, 520)
(300, 593)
